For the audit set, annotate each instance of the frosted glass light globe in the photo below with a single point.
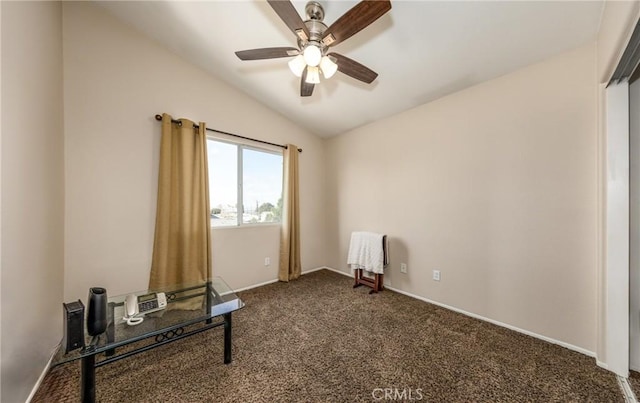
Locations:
(312, 55)
(328, 67)
(313, 75)
(297, 65)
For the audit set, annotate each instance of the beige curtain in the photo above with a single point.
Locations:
(290, 267)
(182, 244)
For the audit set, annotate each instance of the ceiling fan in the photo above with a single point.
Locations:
(312, 55)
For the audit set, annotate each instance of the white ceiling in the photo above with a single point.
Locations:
(422, 50)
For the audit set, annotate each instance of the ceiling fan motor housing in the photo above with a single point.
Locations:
(314, 11)
(316, 29)
(315, 15)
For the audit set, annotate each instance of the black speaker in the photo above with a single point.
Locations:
(73, 323)
(97, 315)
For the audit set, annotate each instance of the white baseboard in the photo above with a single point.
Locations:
(627, 392)
(256, 285)
(338, 271)
(42, 375)
(316, 269)
(476, 316)
(275, 280)
(602, 365)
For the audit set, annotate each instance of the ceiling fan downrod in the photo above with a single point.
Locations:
(314, 11)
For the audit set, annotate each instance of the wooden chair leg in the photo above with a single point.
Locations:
(377, 284)
(357, 274)
(374, 288)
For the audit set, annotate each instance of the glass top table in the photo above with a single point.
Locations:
(214, 302)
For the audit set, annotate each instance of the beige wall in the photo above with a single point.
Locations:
(115, 81)
(32, 192)
(495, 186)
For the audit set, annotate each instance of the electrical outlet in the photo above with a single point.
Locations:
(436, 275)
(267, 261)
(403, 267)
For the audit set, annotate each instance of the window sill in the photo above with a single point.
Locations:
(275, 224)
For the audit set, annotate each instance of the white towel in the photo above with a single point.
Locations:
(366, 252)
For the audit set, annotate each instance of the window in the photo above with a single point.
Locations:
(245, 184)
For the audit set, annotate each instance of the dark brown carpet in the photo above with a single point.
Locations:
(634, 382)
(317, 339)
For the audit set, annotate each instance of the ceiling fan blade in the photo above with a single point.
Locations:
(287, 13)
(354, 69)
(355, 20)
(306, 89)
(266, 53)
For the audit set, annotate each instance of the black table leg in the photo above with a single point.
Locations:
(88, 381)
(227, 338)
(209, 300)
(111, 331)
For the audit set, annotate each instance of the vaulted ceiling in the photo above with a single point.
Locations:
(422, 50)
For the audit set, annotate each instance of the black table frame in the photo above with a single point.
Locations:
(163, 336)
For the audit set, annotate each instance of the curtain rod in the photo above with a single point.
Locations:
(195, 126)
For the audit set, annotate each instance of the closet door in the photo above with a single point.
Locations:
(634, 225)
(617, 228)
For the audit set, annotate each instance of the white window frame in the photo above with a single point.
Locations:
(240, 185)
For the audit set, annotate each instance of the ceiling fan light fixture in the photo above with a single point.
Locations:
(297, 65)
(313, 75)
(312, 55)
(328, 66)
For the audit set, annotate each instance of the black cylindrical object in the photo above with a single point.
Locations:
(97, 316)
